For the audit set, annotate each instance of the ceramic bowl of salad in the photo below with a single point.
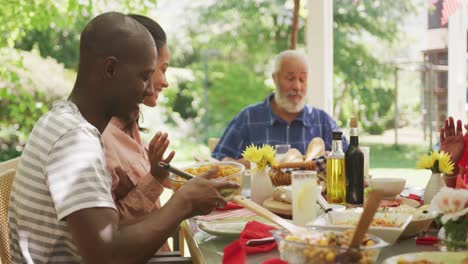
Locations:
(319, 246)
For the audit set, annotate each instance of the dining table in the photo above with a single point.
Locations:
(208, 248)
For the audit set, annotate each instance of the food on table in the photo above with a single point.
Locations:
(224, 170)
(419, 261)
(293, 155)
(282, 176)
(279, 194)
(376, 222)
(324, 247)
(233, 173)
(315, 149)
(420, 213)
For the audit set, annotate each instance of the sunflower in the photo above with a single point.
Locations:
(261, 156)
(445, 163)
(425, 162)
(437, 162)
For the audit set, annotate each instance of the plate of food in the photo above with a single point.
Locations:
(422, 218)
(388, 226)
(429, 258)
(229, 226)
(228, 171)
(322, 246)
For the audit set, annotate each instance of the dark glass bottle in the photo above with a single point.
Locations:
(354, 167)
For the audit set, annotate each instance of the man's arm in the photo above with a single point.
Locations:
(100, 239)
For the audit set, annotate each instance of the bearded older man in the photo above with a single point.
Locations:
(282, 118)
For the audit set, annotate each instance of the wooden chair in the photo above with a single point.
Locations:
(212, 142)
(7, 175)
(9, 164)
(6, 182)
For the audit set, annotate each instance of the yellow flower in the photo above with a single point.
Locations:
(436, 162)
(434, 156)
(261, 156)
(445, 163)
(425, 162)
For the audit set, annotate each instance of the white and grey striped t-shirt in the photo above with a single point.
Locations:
(62, 170)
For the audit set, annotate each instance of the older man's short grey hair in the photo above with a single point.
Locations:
(288, 54)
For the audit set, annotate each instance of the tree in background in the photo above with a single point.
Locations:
(249, 33)
(50, 28)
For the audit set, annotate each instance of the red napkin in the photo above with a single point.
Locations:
(415, 197)
(235, 252)
(230, 206)
(427, 240)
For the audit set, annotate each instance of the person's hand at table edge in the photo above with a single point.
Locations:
(201, 195)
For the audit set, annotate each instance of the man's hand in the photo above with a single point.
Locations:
(157, 147)
(451, 139)
(201, 194)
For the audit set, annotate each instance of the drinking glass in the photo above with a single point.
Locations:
(304, 196)
(281, 150)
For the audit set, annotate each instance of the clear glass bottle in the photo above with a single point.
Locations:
(336, 180)
(354, 164)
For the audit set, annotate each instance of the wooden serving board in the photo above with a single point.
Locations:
(278, 207)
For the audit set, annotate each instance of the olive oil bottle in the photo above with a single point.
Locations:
(336, 179)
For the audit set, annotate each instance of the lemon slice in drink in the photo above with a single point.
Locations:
(305, 193)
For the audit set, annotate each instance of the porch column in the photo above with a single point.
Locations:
(319, 41)
(457, 60)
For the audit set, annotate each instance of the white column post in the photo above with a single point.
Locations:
(319, 40)
(457, 59)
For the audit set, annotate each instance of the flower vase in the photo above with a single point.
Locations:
(433, 187)
(450, 243)
(260, 185)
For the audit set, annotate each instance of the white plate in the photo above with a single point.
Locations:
(436, 257)
(229, 226)
(337, 221)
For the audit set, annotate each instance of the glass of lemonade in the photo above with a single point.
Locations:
(304, 196)
(281, 150)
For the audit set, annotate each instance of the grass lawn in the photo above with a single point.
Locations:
(389, 161)
(390, 156)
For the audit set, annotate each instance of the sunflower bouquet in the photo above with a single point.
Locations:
(437, 162)
(262, 156)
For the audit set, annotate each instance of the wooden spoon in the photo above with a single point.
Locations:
(370, 207)
(294, 229)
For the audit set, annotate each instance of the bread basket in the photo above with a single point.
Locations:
(281, 174)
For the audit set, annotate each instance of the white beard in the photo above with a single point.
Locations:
(290, 107)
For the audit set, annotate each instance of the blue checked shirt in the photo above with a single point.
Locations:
(258, 125)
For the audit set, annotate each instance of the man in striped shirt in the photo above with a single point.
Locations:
(282, 118)
(61, 207)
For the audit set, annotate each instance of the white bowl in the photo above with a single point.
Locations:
(390, 187)
(344, 220)
(238, 177)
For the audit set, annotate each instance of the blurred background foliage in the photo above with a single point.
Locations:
(224, 66)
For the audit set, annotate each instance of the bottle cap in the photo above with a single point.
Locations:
(353, 122)
(337, 135)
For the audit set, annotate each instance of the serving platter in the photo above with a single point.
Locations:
(434, 257)
(229, 226)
